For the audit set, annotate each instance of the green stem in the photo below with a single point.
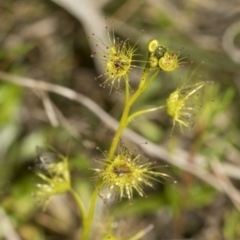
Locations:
(127, 107)
(119, 131)
(136, 114)
(80, 207)
(146, 71)
(88, 223)
(143, 232)
(127, 87)
(142, 88)
(79, 203)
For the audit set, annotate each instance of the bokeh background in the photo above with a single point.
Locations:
(49, 41)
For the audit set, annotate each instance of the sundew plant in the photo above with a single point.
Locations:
(123, 172)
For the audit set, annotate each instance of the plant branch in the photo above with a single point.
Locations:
(127, 106)
(138, 113)
(178, 158)
(87, 227)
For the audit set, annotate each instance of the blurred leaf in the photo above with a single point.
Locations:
(140, 206)
(148, 129)
(27, 147)
(21, 190)
(16, 51)
(80, 162)
(200, 195)
(231, 229)
(8, 134)
(10, 99)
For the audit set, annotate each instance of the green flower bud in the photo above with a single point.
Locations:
(153, 62)
(152, 45)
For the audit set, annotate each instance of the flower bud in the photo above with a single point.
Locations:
(168, 62)
(152, 45)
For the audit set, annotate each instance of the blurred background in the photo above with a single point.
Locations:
(49, 41)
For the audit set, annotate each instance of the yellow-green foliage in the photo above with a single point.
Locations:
(56, 177)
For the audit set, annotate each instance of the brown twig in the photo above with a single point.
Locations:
(177, 158)
(6, 227)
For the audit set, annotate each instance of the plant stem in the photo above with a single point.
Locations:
(79, 203)
(136, 114)
(124, 119)
(146, 71)
(80, 207)
(127, 88)
(89, 218)
(143, 232)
